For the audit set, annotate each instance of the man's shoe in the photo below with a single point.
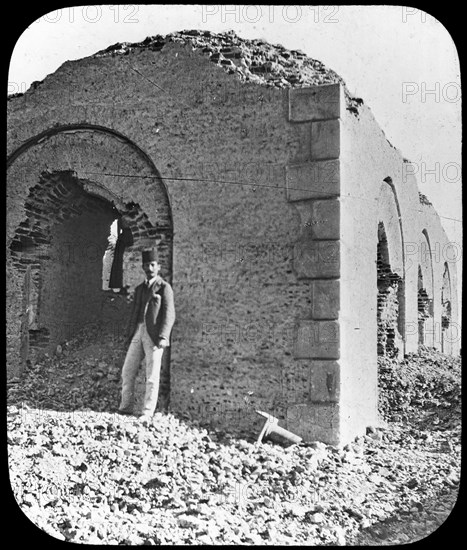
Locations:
(126, 412)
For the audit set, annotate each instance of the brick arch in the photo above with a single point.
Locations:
(446, 311)
(391, 303)
(426, 292)
(426, 261)
(389, 214)
(109, 165)
(73, 181)
(390, 330)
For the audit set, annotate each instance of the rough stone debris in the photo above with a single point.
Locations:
(268, 189)
(91, 477)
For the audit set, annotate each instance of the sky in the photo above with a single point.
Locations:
(401, 60)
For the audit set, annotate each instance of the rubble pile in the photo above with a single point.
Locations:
(82, 373)
(423, 388)
(84, 474)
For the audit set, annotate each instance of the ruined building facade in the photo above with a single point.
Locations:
(293, 233)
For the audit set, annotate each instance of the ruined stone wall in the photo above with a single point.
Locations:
(263, 182)
(222, 163)
(378, 188)
(435, 250)
(370, 187)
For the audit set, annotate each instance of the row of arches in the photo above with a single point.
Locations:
(392, 328)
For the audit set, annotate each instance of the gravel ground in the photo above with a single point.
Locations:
(87, 475)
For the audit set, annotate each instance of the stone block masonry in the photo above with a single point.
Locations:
(313, 186)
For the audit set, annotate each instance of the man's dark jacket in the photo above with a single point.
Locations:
(159, 310)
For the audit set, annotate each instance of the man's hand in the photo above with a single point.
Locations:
(162, 343)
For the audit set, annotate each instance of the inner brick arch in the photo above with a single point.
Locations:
(446, 312)
(391, 303)
(66, 187)
(426, 329)
(390, 336)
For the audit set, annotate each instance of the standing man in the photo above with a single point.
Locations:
(149, 329)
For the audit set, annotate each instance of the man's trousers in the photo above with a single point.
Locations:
(141, 346)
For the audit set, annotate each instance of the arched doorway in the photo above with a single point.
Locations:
(389, 319)
(66, 188)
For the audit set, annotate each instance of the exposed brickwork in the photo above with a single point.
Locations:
(389, 338)
(426, 325)
(425, 308)
(446, 315)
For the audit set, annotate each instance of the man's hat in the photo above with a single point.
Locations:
(149, 255)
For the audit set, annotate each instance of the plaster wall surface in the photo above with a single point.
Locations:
(378, 187)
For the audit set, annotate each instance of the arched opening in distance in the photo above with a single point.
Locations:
(389, 337)
(446, 312)
(426, 329)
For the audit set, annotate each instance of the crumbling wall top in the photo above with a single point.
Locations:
(254, 60)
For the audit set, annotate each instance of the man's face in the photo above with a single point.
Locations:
(151, 269)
